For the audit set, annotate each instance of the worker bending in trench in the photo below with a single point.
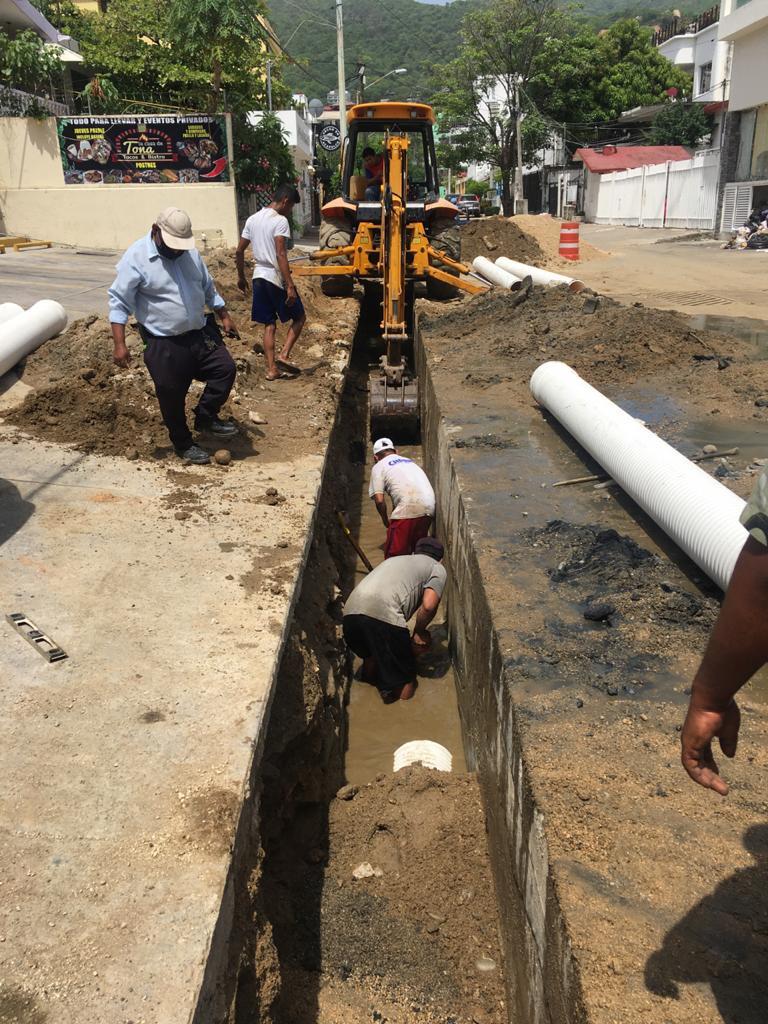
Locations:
(737, 648)
(162, 279)
(268, 233)
(377, 612)
(411, 494)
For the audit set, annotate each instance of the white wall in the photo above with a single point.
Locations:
(35, 201)
(680, 194)
(749, 80)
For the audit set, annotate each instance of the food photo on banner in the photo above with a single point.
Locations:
(158, 150)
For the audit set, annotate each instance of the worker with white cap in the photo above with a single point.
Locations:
(411, 494)
(162, 280)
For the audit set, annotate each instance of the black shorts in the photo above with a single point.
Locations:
(389, 645)
(269, 303)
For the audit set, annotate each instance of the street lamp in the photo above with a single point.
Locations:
(394, 71)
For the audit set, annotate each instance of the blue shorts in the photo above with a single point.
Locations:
(269, 304)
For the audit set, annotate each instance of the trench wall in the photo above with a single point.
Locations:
(541, 976)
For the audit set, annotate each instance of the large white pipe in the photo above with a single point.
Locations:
(8, 310)
(539, 276)
(24, 333)
(485, 268)
(698, 513)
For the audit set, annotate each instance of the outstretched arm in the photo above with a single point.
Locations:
(381, 507)
(430, 602)
(737, 648)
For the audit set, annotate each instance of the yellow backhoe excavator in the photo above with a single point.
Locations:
(391, 228)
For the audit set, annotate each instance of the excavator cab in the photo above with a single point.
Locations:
(389, 226)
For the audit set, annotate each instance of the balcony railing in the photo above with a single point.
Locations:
(678, 27)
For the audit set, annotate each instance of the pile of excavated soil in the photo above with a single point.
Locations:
(81, 398)
(495, 236)
(546, 231)
(416, 939)
(614, 346)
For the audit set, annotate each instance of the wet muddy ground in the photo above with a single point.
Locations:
(602, 622)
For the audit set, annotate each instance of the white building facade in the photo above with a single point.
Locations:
(697, 48)
(744, 150)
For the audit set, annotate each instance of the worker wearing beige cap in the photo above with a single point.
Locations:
(162, 281)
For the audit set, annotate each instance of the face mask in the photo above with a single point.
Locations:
(165, 251)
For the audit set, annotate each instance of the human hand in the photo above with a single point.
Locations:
(292, 295)
(228, 325)
(702, 724)
(120, 355)
(243, 285)
(421, 640)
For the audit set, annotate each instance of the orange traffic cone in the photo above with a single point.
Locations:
(569, 240)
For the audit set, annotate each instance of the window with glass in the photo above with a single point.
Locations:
(705, 78)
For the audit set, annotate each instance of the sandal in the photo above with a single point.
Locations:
(280, 376)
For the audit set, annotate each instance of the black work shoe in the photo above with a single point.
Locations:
(213, 425)
(194, 454)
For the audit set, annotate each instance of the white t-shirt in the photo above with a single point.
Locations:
(406, 484)
(261, 229)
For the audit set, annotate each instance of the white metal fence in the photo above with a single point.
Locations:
(676, 194)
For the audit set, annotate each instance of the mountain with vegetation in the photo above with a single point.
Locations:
(417, 35)
(382, 34)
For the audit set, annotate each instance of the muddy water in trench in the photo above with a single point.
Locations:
(376, 730)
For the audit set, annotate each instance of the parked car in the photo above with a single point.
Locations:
(470, 204)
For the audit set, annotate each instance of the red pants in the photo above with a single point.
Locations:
(402, 535)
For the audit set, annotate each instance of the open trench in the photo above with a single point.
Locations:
(418, 940)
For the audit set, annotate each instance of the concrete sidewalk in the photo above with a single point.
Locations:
(125, 765)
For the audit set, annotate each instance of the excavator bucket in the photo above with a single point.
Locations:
(395, 409)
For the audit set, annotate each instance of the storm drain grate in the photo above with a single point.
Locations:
(695, 299)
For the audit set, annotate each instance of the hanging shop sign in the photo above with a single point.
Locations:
(329, 137)
(161, 150)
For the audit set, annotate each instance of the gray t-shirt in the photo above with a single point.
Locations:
(393, 591)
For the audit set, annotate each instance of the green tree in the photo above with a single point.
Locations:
(500, 51)
(29, 65)
(680, 124)
(262, 157)
(219, 35)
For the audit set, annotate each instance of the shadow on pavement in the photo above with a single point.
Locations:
(723, 942)
(14, 510)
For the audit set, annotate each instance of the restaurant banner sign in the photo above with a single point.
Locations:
(126, 150)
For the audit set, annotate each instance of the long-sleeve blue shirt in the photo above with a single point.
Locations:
(167, 296)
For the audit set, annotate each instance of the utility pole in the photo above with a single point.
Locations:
(360, 75)
(518, 191)
(269, 86)
(342, 77)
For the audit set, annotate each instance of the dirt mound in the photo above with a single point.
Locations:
(494, 236)
(416, 938)
(613, 343)
(546, 231)
(81, 398)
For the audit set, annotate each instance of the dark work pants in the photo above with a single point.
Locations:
(173, 364)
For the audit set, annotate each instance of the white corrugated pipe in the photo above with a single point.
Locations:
(698, 513)
(485, 268)
(24, 333)
(8, 310)
(424, 752)
(538, 276)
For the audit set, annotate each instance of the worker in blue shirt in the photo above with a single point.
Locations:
(162, 280)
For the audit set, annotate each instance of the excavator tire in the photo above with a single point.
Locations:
(444, 235)
(333, 234)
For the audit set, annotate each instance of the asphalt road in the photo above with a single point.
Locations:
(77, 281)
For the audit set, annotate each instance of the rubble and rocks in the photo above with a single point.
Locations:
(81, 398)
